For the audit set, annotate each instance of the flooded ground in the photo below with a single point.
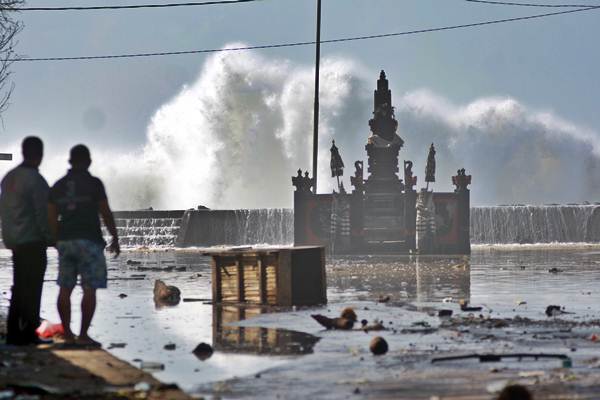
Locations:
(287, 354)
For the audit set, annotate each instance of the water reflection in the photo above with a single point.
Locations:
(426, 279)
(256, 340)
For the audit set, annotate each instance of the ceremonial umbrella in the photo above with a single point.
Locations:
(337, 165)
(430, 167)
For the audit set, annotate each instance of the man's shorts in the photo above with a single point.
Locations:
(81, 257)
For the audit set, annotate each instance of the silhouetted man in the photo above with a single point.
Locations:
(25, 231)
(73, 207)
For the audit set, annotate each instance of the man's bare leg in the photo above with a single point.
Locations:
(88, 307)
(64, 310)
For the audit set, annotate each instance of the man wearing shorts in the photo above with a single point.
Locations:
(74, 205)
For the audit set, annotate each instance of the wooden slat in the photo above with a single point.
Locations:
(216, 284)
(262, 280)
(240, 281)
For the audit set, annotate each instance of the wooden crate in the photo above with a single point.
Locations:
(287, 276)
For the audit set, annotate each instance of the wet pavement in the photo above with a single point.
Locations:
(288, 354)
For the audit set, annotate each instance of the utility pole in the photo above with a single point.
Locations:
(316, 110)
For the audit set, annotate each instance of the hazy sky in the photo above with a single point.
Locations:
(550, 64)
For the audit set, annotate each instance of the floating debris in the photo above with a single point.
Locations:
(464, 306)
(384, 299)
(334, 323)
(444, 313)
(554, 310)
(378, 346)
(152, 366)
(203, 351)
(515, 392)
(192, 300)
(165, 295)
(348, 313)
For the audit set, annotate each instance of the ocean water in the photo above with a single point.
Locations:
(254, 354)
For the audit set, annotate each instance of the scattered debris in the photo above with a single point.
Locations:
(376, 326)
(165, 295)
(491, 357)
(378, 346)
(152, 366)
(444, 313)
(203, 351)
(384, 299)
(464, 306)
(170, 346)
(48, 330)
(122, 295)
(515, 392)
(334, 323)
(116, 346)
(553, 311)
(142, 387)
(348, 313)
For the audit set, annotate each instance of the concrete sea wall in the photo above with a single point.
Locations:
(489, 225)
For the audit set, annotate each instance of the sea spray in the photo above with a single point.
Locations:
(235, 136)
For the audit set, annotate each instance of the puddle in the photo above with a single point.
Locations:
(229, 338)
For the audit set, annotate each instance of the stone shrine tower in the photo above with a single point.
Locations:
(384, 201)
(384, 144)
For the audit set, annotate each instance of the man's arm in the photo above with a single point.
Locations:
(39, 193)
(109, 221)
(53, 221)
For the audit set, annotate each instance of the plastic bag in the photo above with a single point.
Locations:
(48, 330)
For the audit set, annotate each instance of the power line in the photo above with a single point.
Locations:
(508, 3)
(129, 6)
(295, 44)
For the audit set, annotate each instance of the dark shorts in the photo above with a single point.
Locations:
(81, 257)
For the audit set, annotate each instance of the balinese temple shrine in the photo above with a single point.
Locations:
(384, 214)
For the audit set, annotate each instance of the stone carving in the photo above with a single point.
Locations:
(461, 180)
(358, 179)
(409, 179)
(303, 183)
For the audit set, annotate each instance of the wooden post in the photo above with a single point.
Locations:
(262, 279)
(216, 285)
(239, 262)
(316, 110)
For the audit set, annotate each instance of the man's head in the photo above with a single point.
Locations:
(80, 157)
(33, 150)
